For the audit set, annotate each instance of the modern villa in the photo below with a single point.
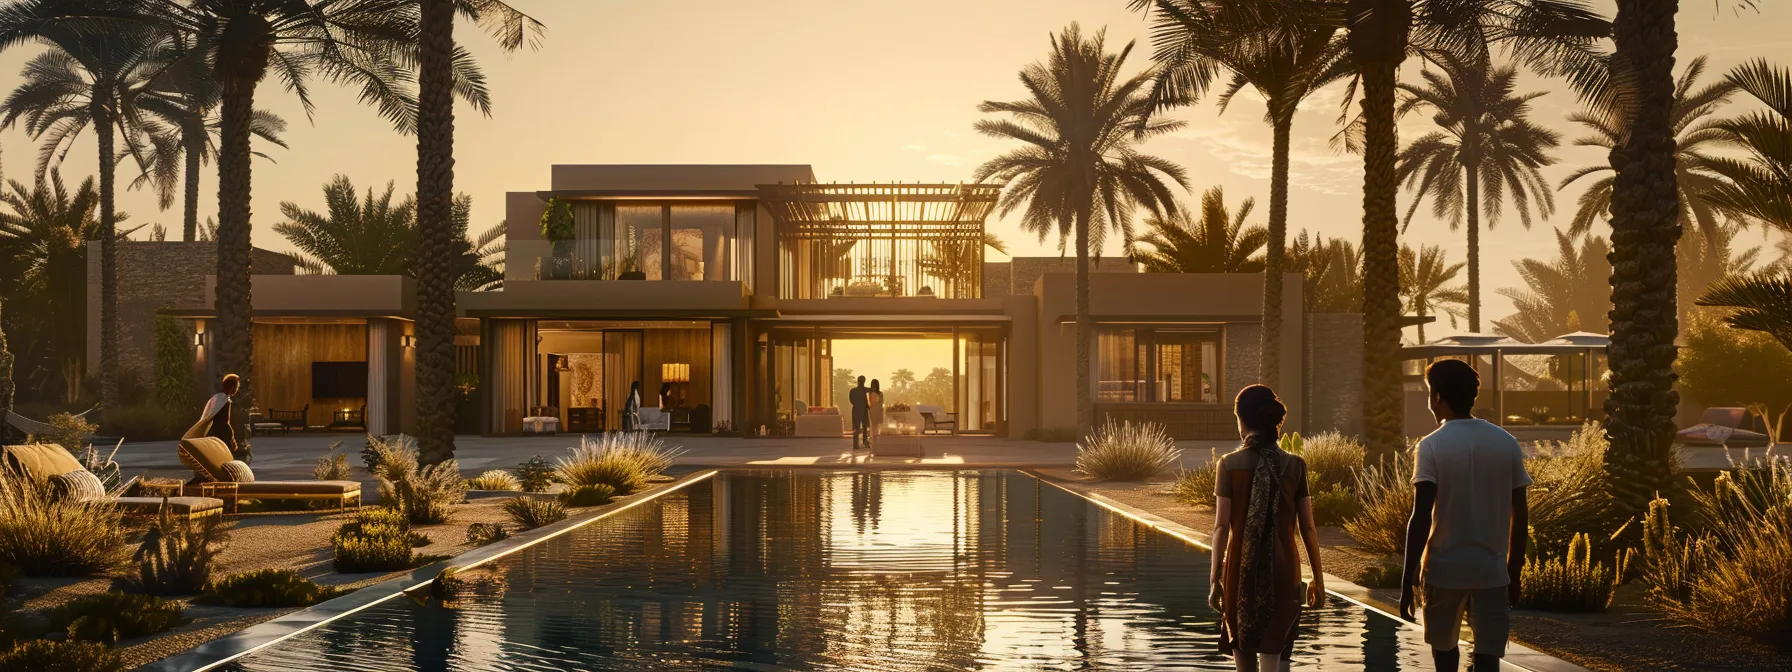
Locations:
(728, 287)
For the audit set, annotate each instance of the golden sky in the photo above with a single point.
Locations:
(863, 91)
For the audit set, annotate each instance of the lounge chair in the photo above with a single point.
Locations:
(45, 460)
(207, 457)
(1722, 426)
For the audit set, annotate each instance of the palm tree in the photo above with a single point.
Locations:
(89, 78)
(1488, 151)
(1561, 295)
(1551, 36)
(478, 262)
(1706, 259)
(370, 236)
(1195, 40)
(1762, 302)
(1759, 186)
(436, 235)
(1332, 271)
(1080, 173)
(1219, 243)
(960, 263)
(46, 234)
(1425, 287)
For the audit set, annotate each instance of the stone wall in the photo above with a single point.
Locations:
(998, 279)
(1334, 395)
(153, 276)
(1243, 358)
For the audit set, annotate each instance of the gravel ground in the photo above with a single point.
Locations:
(1628, 636)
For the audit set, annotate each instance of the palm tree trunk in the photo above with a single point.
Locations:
(1269, 371)
(102, 128)
(1378, 35)
(435, 235)
(1645, 228)
(1085, 406)
(235, 342)
(1473, 170)
(193, 136)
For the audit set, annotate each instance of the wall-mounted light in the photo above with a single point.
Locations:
(407, 341)
(675, 373)
(198, 338)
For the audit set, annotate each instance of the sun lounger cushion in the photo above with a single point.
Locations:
(42, 460)
(180, 506)
(206, 456)
(239, 471)
(79, 486)
(273, 489)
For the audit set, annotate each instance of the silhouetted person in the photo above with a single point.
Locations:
(216, 416)
(874, 402)
(665, 396)
(1468, 526)
(631, 407)
(861, 414)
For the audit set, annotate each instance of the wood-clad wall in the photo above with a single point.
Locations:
(283, 357)
(682, 346)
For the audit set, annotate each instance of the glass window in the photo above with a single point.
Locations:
(1187, 367)
(1117, 366)
(1148, 365)
(702, 242)
(637, 245)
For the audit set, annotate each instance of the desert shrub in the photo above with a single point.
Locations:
(114, 615)
(43, 535)
(176, 554)
(1126, 452)
(1735, 574)
(1381, 575)
(333, 466)
(268, 588)
(1334, 505)
(1052, 434)
(597, 494)
(425, 494)
(371, 453)
(376, 540)
(48, 656)
(534, 474)
(1384, 498)
(622, 460)
(101, 465)
(532, 512)
(1332, 459)
(67, 430)
(496, 479)
(1571, 582)
(1568, 485)
(480, 534)
(1195, 486)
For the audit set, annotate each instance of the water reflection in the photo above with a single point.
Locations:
(775, 570)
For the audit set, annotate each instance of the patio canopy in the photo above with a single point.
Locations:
(836, 211)
(1485, 344)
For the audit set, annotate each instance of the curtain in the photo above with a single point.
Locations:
(513, 373)
(721, 376)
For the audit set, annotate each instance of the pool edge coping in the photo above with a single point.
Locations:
(234, 646)
(1518, 656)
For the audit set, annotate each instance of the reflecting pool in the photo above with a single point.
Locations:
(819, 570)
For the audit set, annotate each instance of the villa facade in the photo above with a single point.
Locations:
(727, 288)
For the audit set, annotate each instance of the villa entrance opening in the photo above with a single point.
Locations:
(936, 380)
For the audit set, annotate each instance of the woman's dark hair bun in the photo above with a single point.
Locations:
(1259, 410)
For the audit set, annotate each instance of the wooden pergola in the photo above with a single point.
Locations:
(887, 240)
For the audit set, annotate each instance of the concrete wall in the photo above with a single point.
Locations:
(153, 276)
(1025, 374)
(522, 297)
(673, 177)
(1334, 364)
(330, 294)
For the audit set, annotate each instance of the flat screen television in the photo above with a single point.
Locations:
(338, 379)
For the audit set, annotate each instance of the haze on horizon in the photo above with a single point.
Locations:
(865, 92)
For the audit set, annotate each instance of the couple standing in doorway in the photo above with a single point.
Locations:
(1465, 539)
(867, 412)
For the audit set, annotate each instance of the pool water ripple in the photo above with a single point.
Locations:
(814, 570)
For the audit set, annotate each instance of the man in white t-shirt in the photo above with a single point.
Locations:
(1469, 524)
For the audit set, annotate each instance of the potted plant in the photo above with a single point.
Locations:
(559, 229)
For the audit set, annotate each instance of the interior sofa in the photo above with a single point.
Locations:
(41, 461)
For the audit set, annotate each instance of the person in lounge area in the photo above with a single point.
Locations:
(1260, 501)
(1469, 524)
(216, 417)
(859, 397)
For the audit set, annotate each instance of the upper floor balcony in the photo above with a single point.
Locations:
(879, 240)
(642, 240)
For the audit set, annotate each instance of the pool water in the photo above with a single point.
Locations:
(818, 570)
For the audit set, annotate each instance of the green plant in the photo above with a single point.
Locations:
(114, 615)
(1384, 494)
(333, 466)
(532, 512)
(1568, 488)
(622, 460)
(596, 494)
(43, 535)
(1569, 583)
(557, 222)
(1332, 458)
(1381, 575)
(1733, 571)
(495, 479)
(176, 554)
(174, 365)
(371, 453)
(268, 588)
(480, 534)
(377, 539)
(1195, 487)
(425, 494)
(1126, 452)
(50, 656)
(67, 430)
(535, 474)
(1334, 505)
